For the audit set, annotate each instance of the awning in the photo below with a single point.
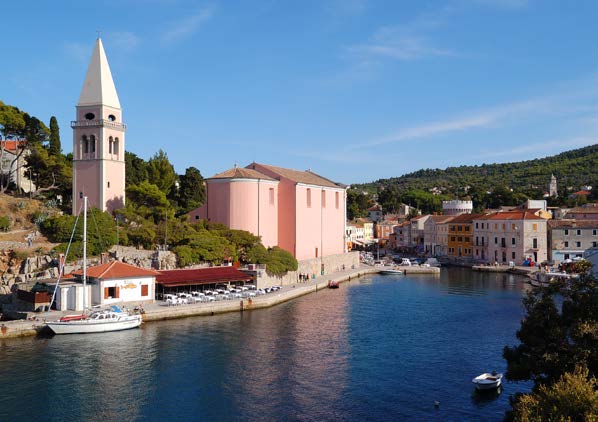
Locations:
(194, 277)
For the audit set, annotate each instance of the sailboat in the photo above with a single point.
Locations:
(113, 319)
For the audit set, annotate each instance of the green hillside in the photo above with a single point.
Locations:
(490, 185)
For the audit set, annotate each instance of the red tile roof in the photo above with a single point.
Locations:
(116, 269)
(465, 218)
(307, 177)
(173, 278)
(512, 215)
(241, 173)
(11, 145)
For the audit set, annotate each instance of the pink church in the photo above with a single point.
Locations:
(299, 211)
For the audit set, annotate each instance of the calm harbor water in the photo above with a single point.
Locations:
(379, 348)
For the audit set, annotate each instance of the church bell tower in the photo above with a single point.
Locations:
(99, 139)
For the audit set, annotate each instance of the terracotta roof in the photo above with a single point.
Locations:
(582, 192)
(586, 209)
(116, 269)
(439, 219)
(173, 278)
(465, 218)
(375, 208)
(11, 145)
(574, 224)
(512, 215)
(241, 173)
(308, 177)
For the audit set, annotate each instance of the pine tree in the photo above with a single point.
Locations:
(55, 147)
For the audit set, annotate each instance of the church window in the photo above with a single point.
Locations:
(110, 145)
(111, 117)
(115, 148)
(90, 116)
(92, 141)
(85, 144)
(108, 184)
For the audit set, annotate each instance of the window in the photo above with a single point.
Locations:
(459, 228)
(466, 228)
(594, 244)
(503, 226)
(496, 240)
(323, 199)
(271, 195)
(144, 290)
(477, 241)
(566, 232)
(92, 140)
(578, 232)
(112, 117)
(594, 232)
(85, 144)
(108, 184)
(513, 226)
(309, 201)
(566, 256)
(503, 243)
(476, 226)
(460, 239)
(111, 292)
(534, 226)
(110, 144)
(512, 241)
(566, 244)
(336, 200)
(535, 243)
(90, 116)
(513, 255)
(452, 238)
(197, 217)
(578, 244)
(466, 238)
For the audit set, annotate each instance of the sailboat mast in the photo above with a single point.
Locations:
(85, 252)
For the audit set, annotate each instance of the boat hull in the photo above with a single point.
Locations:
(388, 272)
(90, 326)
(487, 381)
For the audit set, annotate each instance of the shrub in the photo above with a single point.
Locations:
(4, 223)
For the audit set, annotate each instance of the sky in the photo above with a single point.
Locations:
(355, 90)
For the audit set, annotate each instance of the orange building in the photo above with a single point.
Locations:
(460, 236)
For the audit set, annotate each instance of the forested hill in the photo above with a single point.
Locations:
(572, 169)
(487, 185)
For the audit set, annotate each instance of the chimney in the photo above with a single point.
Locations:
(103, 258)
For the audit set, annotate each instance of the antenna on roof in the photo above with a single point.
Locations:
(236, 164)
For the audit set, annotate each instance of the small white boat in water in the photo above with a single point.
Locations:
(487, 381)
(390, 270)
(113, 319)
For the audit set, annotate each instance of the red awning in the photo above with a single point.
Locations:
(174, 278)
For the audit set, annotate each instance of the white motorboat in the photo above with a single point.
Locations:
(390, 270)
(487, 381)
(113, 319)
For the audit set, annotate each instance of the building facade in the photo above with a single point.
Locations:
(99, 139)
(457, 207)
(569, 239)
(511, 236)
(460, 236)
(436, 234)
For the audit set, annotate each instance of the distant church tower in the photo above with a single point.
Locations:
(552, 187)
(99, 139)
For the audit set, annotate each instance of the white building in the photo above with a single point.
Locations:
(457, 207)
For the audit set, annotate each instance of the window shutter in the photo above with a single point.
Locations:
(144, 290)
(116, 292)
(106, 294)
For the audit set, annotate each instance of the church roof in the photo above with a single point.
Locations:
(307, 177)
(98, 87)
(241, 173)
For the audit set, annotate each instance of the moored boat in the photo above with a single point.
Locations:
(333, 284)
(487, 381)
(113, 319)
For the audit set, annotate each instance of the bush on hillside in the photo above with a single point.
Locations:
(4, 223)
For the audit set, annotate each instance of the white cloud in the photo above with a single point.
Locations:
(187, 26)
(476, 119)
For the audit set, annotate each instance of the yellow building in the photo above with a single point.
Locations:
(460, 236)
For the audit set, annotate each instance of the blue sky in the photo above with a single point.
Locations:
(356, 90)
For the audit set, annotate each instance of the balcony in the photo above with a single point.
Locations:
(98, 123)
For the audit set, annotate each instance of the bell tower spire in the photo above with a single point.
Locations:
(99, 139)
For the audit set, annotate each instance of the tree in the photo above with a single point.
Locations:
(161, 173)
(55, 148)
(192, 191)
(149, 202)
(574, 397)
(555, 339)
(135, 169)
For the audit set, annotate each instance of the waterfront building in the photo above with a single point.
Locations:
(417, 232)
(98, 139)
(569, 239)
(585, 212)
(13, 154)
(460, 236)
(362, 231)
(400, 236)
(242, 199)
(107, 284)
(384, 229)
(300, 211)
(457, 207)
(436, 234)
(510, 236)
